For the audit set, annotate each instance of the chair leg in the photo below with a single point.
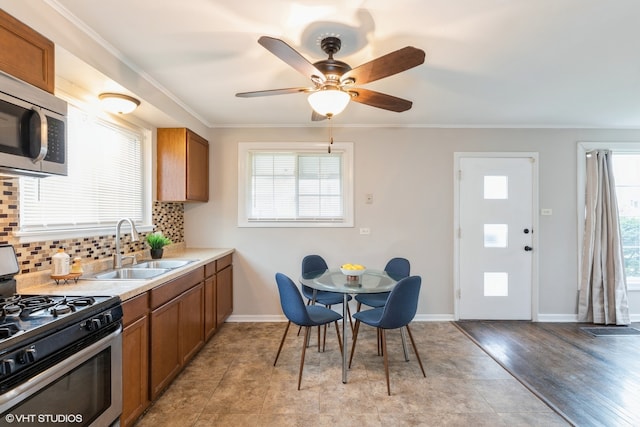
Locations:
(318, 339)
(304, 348)
(379, 339)
(404, 345)
(415, 349)
(355, 338)
(282, 342)
(339, 339)
(324, 338)
(358, 307)
(386, 359)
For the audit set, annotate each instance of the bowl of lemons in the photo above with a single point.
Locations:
(352, 270)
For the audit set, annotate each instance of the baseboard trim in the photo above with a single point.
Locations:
(250, 318)
(558, 318)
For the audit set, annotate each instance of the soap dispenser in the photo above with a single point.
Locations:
(60, 263)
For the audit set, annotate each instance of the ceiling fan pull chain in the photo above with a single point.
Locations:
(330, 136)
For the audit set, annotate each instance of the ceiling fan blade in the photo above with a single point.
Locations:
(273, 92)
(316, 117)
(380, 100)
(386, 65)
(291, 56)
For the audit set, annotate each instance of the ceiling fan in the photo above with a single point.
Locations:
(334, 82)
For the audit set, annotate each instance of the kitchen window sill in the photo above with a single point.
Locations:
(45, 235)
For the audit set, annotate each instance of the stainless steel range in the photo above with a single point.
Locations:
(60, 356)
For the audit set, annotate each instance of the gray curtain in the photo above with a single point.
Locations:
(603, 289)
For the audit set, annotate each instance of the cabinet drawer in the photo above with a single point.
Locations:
(135, 308)
(210, 269)
(223, 262)
(175, 287)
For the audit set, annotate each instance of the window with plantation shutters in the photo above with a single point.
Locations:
(105, 180)
(296, 185)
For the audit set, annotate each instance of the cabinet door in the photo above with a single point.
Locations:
(197, 168)
(224, 294)
(182, 166)
(135, 371)
(25, 53)
(191, 322)
(209, 306)
(166, 359)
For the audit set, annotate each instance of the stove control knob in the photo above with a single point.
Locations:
(28, 355)
(6, 366)
(107, 318)
(93, 324)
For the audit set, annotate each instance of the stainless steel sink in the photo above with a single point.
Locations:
(129, 274)
(163, 263)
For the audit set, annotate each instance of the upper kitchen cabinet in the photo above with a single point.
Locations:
(25, 53)
(183, 166)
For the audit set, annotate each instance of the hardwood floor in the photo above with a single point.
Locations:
(590, 381)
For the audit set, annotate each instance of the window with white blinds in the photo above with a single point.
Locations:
(295, 185)
(105, 180)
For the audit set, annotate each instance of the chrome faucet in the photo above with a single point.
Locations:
(117, 257)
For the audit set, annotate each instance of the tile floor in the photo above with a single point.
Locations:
(232, 382)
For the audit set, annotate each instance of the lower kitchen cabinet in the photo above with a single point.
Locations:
(210, 326)
(191, 323)
(224, 294)
(135, 359)
(177, 327)
(165, 327)
(218, 294)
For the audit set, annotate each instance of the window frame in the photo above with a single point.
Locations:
(106, 229)
(244, 168)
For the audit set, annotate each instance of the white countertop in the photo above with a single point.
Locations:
(126, 289)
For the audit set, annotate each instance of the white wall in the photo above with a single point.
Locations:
(410, 174)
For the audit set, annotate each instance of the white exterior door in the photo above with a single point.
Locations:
(495, 237)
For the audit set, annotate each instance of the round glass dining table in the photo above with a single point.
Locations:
(370, 282)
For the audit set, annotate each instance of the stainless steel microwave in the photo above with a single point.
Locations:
(33, 130)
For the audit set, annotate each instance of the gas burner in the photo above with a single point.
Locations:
(35, 304)
(59, 309)
(82, 301)
(11, 299)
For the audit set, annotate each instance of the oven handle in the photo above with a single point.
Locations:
(19, 393)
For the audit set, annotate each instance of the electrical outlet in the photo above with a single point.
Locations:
(365, 230)
(368, 198)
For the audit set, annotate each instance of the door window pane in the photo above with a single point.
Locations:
(496, 284)
(496, 187)
(495, 235)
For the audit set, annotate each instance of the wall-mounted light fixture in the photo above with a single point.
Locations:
(118, 103)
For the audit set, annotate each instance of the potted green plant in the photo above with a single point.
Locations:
(157, 241)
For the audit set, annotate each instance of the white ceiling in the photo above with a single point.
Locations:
(502, 63)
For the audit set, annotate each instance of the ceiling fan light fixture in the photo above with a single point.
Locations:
(329, 102)
(118, 103)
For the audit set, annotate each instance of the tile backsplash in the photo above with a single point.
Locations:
(36, 256)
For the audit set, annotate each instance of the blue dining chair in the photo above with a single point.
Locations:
(316, 264)
(396, 268)
(302, 315)
(397, 313)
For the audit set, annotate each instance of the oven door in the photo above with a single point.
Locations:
(82, 390)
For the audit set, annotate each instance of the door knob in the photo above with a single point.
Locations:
(528, 248)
